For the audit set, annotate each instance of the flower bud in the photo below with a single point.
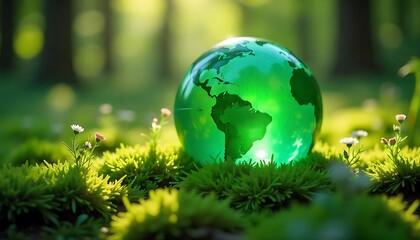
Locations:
(392, 141)
(99, 137)
(384, 141)
(165, 112)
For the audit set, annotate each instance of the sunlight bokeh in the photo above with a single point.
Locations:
(60, 97)
(29, 37)
(28, 42)
(390, 35)
(89, 23)
(196, 30)
(89, 60)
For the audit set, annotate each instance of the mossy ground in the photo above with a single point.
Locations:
(138, 192)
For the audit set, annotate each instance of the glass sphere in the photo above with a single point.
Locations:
(248, 99)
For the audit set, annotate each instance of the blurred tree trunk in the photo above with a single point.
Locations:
(57, 55)
(165, 49)
(108, 68)
(403, 15)
(303, 25)
(354, 53)
(7, 15)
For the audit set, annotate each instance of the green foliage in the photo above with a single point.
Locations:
(413, 66)
(408, 213)
(25, 196)
(374, 156)
(62, 191)
(69, 201)
(336, 217)
(173, 214)
(79, 190)
(399, 176)
(84, 227)
(12, 232)
(36, 152)
(258, 187)
(321, 156)
(145, 168)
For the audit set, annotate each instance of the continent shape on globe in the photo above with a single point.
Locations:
(248, 99)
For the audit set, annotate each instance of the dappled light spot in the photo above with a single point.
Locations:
(128, 46)
(28, 42)
(390, 35)
(144, 8)
(253, 3)
(126, 115)
(223, 21)
(60, 97)
(105, 108)
(89, 23)
(89, 60)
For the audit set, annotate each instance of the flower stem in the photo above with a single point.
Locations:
(73, 148)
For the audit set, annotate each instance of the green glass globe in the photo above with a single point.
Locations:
(248, 99)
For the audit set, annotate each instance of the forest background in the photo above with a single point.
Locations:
(112, 64)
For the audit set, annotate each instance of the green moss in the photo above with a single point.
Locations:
(144, 167)
(84, 227)
(57, 192)
(258, 187)
(173, 214)
(36, 152)
(336, 217)
(25, 197)
(79, 190)
(223, 200)
(400, 176)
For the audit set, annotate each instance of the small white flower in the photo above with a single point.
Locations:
(349, 141)
(156, 126)
(77, 128)
(359, 133)
(88, 145)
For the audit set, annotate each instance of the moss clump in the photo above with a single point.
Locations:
(336, 217)
(83, 227)
(25, 197)
(80, 190)
(145, 168)
(259, 187)
(56, 192)
(173, 214)
(401, 175)
(217, 201)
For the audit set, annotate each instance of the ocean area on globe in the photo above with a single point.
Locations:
(248, 99)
